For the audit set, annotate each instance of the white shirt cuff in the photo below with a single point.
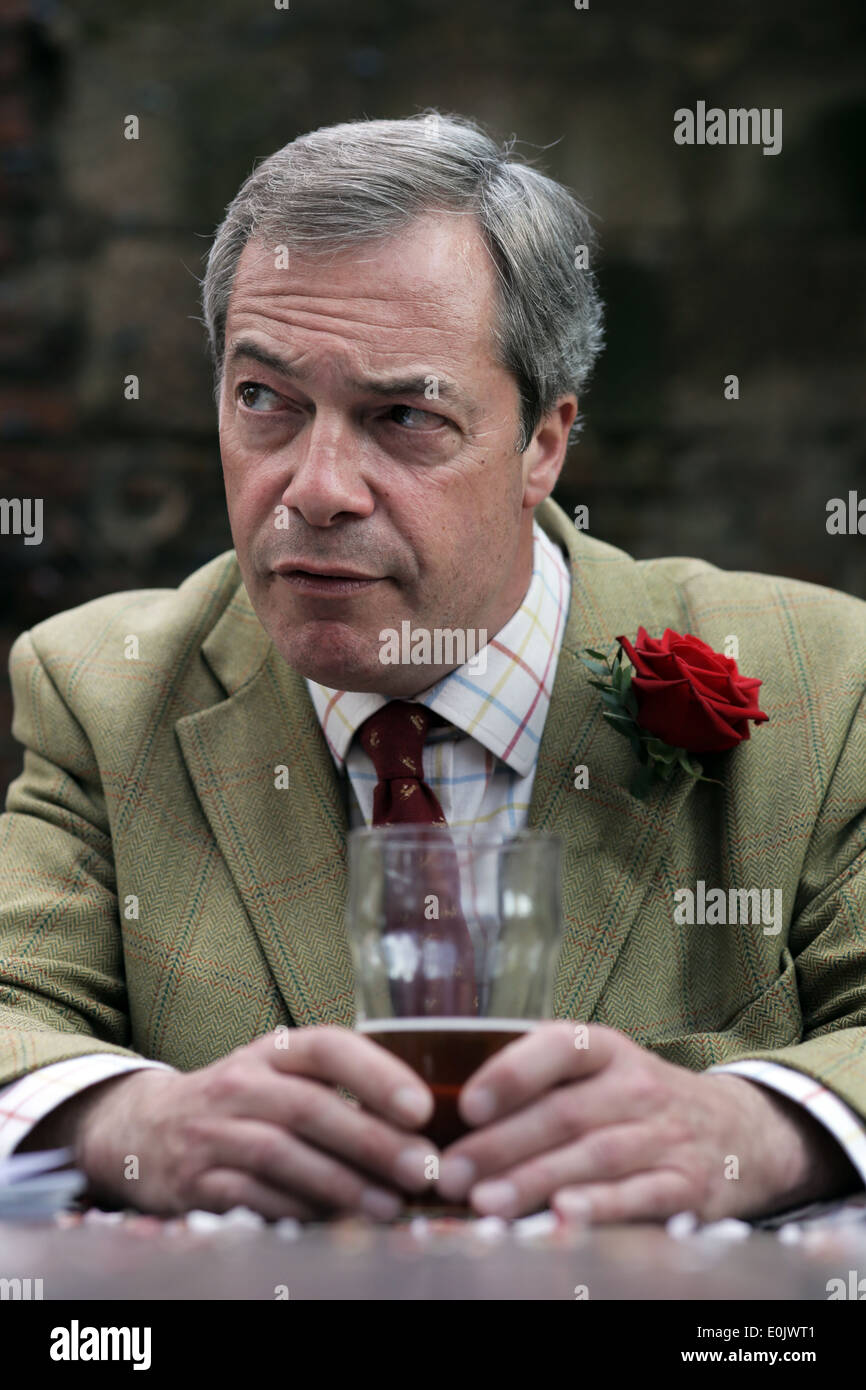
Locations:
(844, 1125)
(25, 1102)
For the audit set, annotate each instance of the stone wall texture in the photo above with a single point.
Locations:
(714, 260)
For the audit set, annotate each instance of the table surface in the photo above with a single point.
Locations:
(126, 1256)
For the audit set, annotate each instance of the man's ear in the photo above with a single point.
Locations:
(543, 459)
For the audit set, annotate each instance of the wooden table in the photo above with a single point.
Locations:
(140, 1258)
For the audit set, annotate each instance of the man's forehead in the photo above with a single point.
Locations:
(397, 311)
(433, 265)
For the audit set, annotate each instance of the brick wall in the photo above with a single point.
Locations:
(715, 260)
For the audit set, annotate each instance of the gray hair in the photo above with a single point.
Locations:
(361, 180)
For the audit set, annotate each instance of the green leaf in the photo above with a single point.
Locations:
(690, 765)
(599, 685)
(599, 656)
(661, 751)
(631, 704)
(595, 666)
(616, 678)
(616, 721)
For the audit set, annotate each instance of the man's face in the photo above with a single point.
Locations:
(331, 464)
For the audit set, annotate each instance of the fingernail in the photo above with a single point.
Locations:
(478, 1106)
(495, 1197)
(573, 1206)
(410, 1104)
(456, 1176)
(410, 1167)
(384, 1206)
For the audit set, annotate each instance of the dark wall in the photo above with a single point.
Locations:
(715, 260)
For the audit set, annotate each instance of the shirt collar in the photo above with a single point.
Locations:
(503, 707)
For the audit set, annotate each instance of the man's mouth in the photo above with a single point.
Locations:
(321, 582)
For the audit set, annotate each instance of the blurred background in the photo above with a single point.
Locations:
(714, 260)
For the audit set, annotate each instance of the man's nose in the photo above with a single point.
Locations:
(324, 467)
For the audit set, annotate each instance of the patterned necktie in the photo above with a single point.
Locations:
(394, 739)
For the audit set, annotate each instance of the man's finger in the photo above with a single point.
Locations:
(524, 1069)
(221, 1189)
(343, 1057)
(500, 1156)
(644, 1197)
(316, 1113)
(272, 1156)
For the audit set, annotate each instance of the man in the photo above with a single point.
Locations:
(401, 319)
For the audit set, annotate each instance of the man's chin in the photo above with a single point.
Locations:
(372, 676)
(322, 661)
(342, 658)
(342, 679)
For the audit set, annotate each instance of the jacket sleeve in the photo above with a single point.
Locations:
(828, 936)
(62, 987)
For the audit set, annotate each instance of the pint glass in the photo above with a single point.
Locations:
(455, 937)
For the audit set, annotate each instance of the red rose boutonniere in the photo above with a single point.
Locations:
(680, 698)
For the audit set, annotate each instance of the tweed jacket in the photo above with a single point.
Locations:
(161, 896)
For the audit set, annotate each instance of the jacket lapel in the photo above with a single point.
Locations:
(286, 847)
(611, 842)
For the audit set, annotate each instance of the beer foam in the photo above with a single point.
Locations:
(447, 1025)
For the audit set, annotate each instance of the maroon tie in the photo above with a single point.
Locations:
(394, 738)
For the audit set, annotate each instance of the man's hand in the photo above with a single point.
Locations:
(263, 1128)
(613, 1133)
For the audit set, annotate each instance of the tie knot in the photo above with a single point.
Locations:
(394, 737)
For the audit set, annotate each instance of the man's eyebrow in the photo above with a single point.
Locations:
(447, 389)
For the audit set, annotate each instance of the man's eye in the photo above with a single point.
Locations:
(426, 419)
(255, 396)
(247, 393)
